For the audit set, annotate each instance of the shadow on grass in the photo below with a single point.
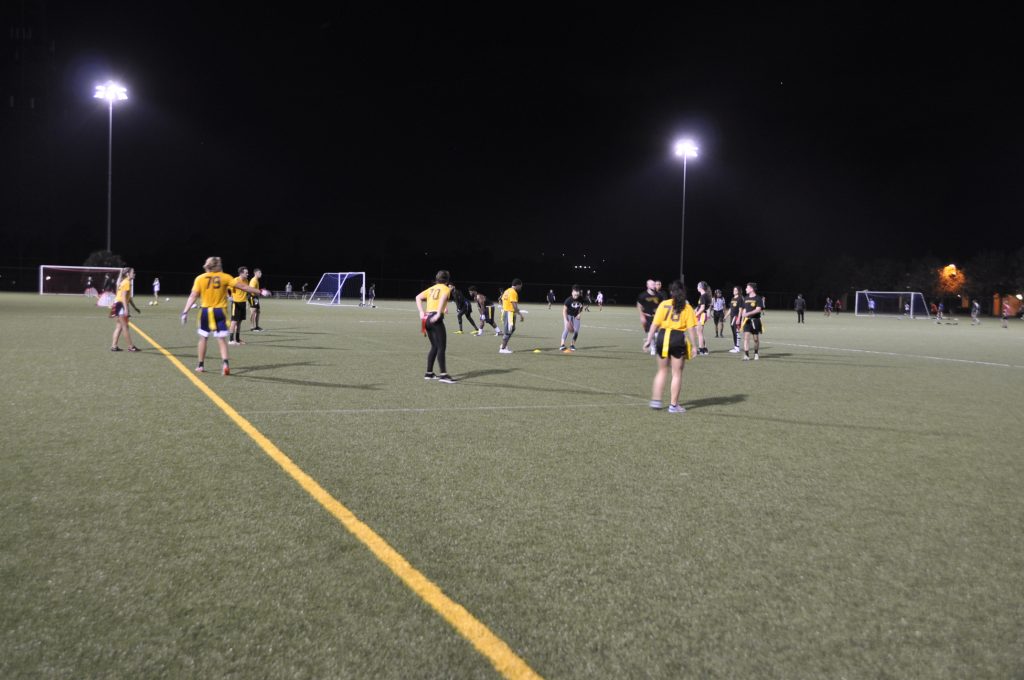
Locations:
(247, 373)
(483, 372)
(715, 401)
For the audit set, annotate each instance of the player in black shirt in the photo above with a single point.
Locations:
(647, 303)
(486, 310)
(735, 310)
(551, 297)
(464, 308)
(571, 310)
(703, 307)
(751, 324)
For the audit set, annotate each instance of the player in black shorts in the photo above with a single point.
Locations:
(464, 308)
(702, 311)
(735, 311)
(718, 313)
(750, 322)
(571, 310)
(647, 303)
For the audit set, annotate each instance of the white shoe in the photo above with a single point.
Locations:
(746, 358)
(479, 332)
(734, 350)
(756, 357)
(504, 350)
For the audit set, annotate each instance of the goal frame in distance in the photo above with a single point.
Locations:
(328, 291)
(895, 300)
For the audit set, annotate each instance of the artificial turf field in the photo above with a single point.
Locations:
(848, 506)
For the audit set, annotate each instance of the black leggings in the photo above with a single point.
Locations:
(438, 337)
(468, 313)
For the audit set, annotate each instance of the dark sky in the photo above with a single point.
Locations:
(492, 140)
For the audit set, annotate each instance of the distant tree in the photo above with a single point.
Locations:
(103, 258)
(987, 273)
(923, 276)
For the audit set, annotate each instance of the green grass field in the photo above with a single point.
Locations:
(849, 506)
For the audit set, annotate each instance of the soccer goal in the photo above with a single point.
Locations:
(67, 280)
(345, 289)
(891, 303)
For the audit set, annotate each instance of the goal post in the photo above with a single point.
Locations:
(906, 304)
(341, 289)
(55, 279)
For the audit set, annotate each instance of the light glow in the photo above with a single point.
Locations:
(686, 148)
(111, 91)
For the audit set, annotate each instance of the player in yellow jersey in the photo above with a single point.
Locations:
(673, 324)
(509, 310)
(432, 319)
(238, 300)
(254, 301)
(119, 310)
(211, 289)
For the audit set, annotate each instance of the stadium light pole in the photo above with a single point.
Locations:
(684, 148)
(111, 92)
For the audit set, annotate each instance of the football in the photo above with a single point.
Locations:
(264, 292)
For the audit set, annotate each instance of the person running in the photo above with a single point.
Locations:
(432, 319)
(975, 313)
(600, 301)
(119, 310)
(828, 307)
(735, 314)
(485, 309)
(750, 321)
(551, 298)
(211, 289)
(800, 305)
(718, 313)
(254, 302)
(571, 310)
(673, 325)
(703, 307)
(156, 290)
(464, 308)
(509, 310)
(587, 300)
(238, 299)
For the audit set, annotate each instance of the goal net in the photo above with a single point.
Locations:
(67, 280)
(891, 303)
(346, 289)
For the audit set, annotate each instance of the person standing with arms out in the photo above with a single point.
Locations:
(238, 298)
(211, 289)
(509, 311)
(703, 306)
(551, 298)
(718, 313)
(800, 305)
(735, 313)
(673, 326)
(647, 304)
(751, 324)
(119, 310)
(871, 306)
(156, 290)
(254, 302)
(464, 308)
(600, 301)
(571, 310)
(432, 318)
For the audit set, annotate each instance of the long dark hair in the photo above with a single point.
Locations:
(678, 293)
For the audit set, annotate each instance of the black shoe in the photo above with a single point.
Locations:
(429, 376)
(445, 378)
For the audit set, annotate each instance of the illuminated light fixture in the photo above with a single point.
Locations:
(110, 92)
(684, 148)
(1019, 296)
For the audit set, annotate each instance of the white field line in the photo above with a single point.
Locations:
(898, 354)
(446, 409)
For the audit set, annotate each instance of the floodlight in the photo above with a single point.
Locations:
(685, 148)
(111, 91)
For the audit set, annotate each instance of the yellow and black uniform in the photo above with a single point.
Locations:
(254, 300)
(238, 298)
(509, 300)
(672, 327)
(752, 321)
(212, 288)
(734, 318)
(124, 292)
(436, 298)
(648, 301)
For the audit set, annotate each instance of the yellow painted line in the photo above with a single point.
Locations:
(501, 656)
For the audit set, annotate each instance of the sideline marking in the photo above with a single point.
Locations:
(357, 411)
(501, 656)
(899, 354)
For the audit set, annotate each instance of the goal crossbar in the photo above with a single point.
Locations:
(341, 289)
(905, 303)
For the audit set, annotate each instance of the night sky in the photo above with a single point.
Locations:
(495, 139)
